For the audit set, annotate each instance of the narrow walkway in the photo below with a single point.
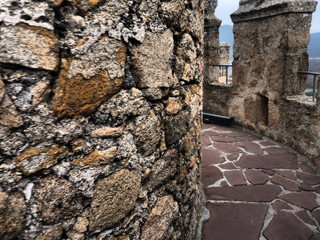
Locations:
(257, 190)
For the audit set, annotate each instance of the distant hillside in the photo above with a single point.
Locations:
(314, 46)
(226, 35)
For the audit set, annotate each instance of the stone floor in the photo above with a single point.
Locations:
(256, 189)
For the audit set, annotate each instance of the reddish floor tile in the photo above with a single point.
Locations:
(233, 156)
(316, 236)
(280, 205)
(211, 156)
(268, 171)
(224, 184)
(235, 178)
(230, 221)
(286, 161)
(206, 141)
(287, 174)
(307, 169)
(309, 178)
(303, 215)
(256, 177)
(226, 147)
(237, 134)
(306, 187)
(228, 166)
(250, 147)
(275, 150)
(302, 199)
(207, 126)
(256, 193)
(287, 184)
(210, 133)
(209, 175)
(222, 139)
(266, 143)
(286, 226)
(248, 138)
(316, 215)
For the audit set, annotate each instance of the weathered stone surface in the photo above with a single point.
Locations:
(28, 46)
(316, 215)
(279, 205)
(229, 166)
(287, 174)
(35, 159)
(209, 175)
(97, 157)
(250, 147)
(162, 170)
(107, 132)
(309, 178)
(211, 156)
(53, 233)
(234, 221)
(256, 177)
(84, 84)
(278, 228)
(8, 112)
(57, 200)
(12, 215)
(286, 161)
(174, 105)
(186, 56)
(160, 219)
(226, 147)
(302, 199)
(287, 184)
(114, 197)
(176, 127)
(303, 215)
(235, 177)
(152, 61)
(264, 193)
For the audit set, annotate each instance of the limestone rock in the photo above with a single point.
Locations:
(28, 46)
(35, 159)
(107, 132)
(97, 157)
(186, 59)
(57, 200)
(176, 127)
(52, 234)
(147, 133)
(12, 210)
(174, 105)
(160, 219)
(151, 60)
(114, 197)
(8, 113)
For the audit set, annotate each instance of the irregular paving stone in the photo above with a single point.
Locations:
(206, 141)
(57, 200)
(160, 219)
(316, 215)
(233, 156)
(302, 199)
(225, 147)
(287, 174)
(211, 156)
(205, 127)
(303, 215)
(309, 178)
(12, 215)
(236, 134)
(263, 193)
(250, 147)
(234, 221)
(114, 197)
(222, 139)
(227, 166)
(306, 187)
(35, 159)
(282, 222)
(307, 169)
(256, 177)
(210, 133)
(267, 143)
(235, 177)
(280, 205)
(315, 237)
(275, 150)
(287, 161)
(248, 138)
(268, 171)
(209, 175)
(287, 184)
(318, 190)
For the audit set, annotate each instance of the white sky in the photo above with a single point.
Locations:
(226, 7)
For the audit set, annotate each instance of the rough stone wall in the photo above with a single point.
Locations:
(100, 106)
(271, 40)
(224, 52)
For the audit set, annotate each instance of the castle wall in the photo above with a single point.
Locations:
(100, 106)
(271, 40)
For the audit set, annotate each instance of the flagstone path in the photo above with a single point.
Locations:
(256, 189)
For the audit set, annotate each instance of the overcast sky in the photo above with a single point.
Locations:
(226, 7)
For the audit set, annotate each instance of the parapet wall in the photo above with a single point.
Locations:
(100, 106)
(271, 40)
